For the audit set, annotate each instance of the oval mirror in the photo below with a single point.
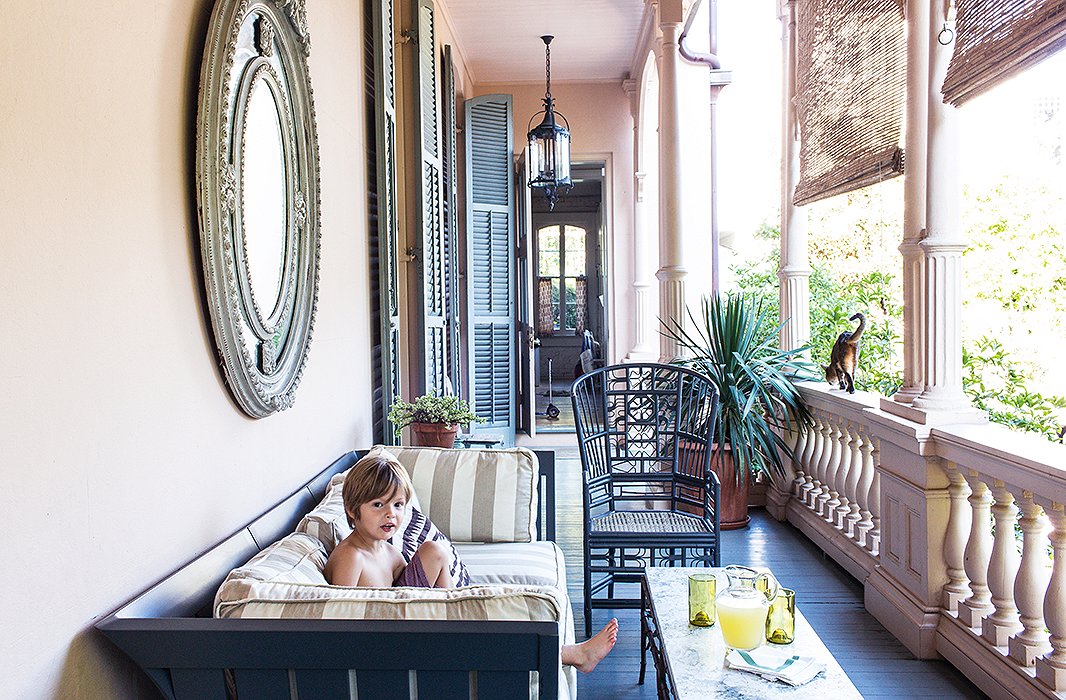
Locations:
(257, 191)
(263, 198)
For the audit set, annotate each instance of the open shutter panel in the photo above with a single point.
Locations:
(490, 264)
(384, 224)
(431, 260)
(451, 234)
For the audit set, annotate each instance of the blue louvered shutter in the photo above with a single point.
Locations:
(490, 263)
(431, 254)
(384, 231)
(453, 331)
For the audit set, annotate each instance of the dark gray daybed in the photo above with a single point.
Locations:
(169, 632)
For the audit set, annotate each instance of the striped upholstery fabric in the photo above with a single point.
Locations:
(519, 563)
(296, 559)
(328, 523)
(476, 495)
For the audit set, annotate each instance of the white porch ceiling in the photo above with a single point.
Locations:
(500, 39)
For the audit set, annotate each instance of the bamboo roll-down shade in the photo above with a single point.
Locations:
(851, 82)
(996, 39)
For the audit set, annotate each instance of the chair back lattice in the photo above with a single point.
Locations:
(644, 431)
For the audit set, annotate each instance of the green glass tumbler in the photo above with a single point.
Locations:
(701, 592)
(781, 620)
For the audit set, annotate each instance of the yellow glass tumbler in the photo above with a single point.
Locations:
(701, 593)
(781, 620)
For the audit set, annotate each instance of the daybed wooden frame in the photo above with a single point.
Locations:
(169, 632)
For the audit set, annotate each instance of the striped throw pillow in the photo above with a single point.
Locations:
(476, 495)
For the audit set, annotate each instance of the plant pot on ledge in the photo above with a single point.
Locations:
(434, 434)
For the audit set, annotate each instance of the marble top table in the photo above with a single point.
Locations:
(695, 656)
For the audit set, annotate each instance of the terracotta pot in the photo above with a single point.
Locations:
(434, 434)
(733, 509)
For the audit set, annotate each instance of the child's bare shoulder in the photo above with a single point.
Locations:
(345, 564)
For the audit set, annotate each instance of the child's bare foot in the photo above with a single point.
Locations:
(587, 654)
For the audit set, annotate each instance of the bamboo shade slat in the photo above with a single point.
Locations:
(851, 82)
(995, 39)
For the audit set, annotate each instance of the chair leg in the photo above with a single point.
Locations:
(588, 599)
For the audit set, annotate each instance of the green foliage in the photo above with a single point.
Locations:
(734, 343)
(429, 408)
(999, 384)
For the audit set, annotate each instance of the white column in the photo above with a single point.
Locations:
(672, 272)
(943, 245)
(1002, 570)
(914, 199)
(978, 551)
(1051, 668)
(795, 268)
(958, 532)
(644, 323)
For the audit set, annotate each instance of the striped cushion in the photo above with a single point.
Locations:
(249, 598)
(297, 558)
(328, 523)
(476, 495)
(520, 563)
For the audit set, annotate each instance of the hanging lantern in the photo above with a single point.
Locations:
(549, 142)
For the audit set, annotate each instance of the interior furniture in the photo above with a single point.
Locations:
(644, 434)
(257, 195)
(688, 660)
(170, 633)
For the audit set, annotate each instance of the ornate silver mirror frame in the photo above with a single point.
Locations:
(256, 144)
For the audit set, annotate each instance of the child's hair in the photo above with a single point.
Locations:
(375, 476)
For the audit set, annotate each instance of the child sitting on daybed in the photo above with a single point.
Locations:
(375, 495)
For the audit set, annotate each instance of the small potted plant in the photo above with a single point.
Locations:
(434, 420)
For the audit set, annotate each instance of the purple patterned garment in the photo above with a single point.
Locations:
(413, 575)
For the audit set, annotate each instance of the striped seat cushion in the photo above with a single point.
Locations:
(520, 563)
(249, 598)
(476, 495)
(296, 558)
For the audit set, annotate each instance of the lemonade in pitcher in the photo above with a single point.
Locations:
(742, 607)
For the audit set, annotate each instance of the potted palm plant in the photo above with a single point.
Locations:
(732, 344)
(434, 420)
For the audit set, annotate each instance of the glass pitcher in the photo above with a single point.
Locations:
(742, 607)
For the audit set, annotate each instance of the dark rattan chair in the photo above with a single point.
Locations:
(650, 498)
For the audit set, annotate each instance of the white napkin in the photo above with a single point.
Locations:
(776, 664)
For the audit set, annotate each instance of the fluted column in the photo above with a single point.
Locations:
(672, 272)
(1002, 570)
(795, 270)
(958, 532)
(944, 243)
(644, 232)
(1030, 586)
(914, 200)
(978, 550)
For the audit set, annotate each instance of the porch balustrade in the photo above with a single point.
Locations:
(971, 565)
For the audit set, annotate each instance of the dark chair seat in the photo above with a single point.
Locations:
(650, 498)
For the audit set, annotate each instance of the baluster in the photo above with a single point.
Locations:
(1051, 668)
(958, 586)
(851, 517)
(1002, 570)
(829, 488)
(1030, 586)
(799, 468)
(840, 476)
(824, 451)
(873, 538)
(978, 551)
(810, 450)
(866, 481)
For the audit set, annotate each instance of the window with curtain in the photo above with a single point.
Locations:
(996, 39)
(561, 265)
(851, 83)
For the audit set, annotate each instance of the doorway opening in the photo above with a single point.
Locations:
(568, 304)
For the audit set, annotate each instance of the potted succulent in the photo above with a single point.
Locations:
(434, 420)
(758, 398)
